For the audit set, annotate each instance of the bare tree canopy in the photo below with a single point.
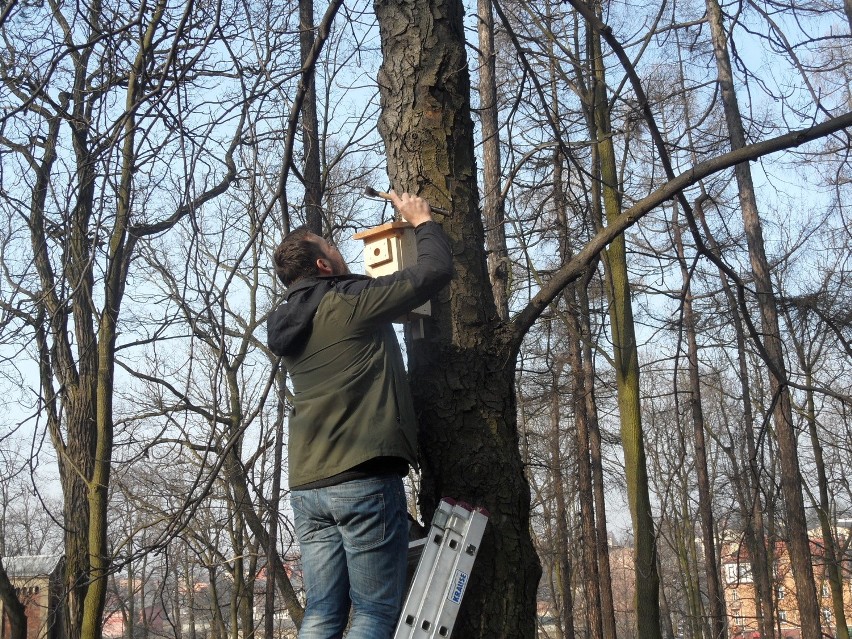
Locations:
(641, 367)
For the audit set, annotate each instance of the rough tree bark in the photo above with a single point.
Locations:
(463, 373)
(847, 8)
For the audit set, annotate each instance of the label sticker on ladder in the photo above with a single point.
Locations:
(459, 583)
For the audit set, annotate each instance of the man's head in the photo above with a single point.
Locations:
(304, 254)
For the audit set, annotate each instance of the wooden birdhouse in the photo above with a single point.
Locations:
(390, 248)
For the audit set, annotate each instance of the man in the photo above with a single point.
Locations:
(352, 429)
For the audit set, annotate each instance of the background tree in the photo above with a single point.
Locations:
(196, 403)
(423, 128)
(96, 109)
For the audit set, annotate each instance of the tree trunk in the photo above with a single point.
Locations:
(591, 581)
(589, 545)
(791, 487)
(131, 600)
(751, 499)
(626, 359)
(310, 125)
(217, 623)
(84, 475)
(493, 203)
(237, 572)
(463, 372)
(715, 595)
(237, 486)
(608, 624)
(190, 597)
(596, 453)
(273, 563)
(142, 618)
(247, 627)
(177, 608)
(665, 611)
(847, 8)
(832, 565)
(562, 551)
(684, 541)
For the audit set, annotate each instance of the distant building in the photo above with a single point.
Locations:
(740, 593)
(37, 582)
(622, 564)
(151, 618)
(283, 625)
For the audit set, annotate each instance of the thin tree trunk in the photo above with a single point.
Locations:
(747, 484)
(131, 600)
(247, 627)
(493, 204)
(562, 548)
(217, 622)
(588, 544)
(715, 595)
(626, 358)
(608, 623)
(684, 535)
(190, 589)
(601, 533)
(177, 609)
(832, 564)
(238, 487)
(142, 616)
(271, 547)
(238, 582)
(310, 125)
(752, 505)
(791, 487)
(665, 611)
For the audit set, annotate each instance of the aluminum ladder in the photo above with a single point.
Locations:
(448, 553)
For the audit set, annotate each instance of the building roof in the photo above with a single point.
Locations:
(31, 565)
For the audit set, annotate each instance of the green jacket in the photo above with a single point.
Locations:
(351, 398)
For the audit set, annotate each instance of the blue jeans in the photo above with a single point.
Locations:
(354, 541)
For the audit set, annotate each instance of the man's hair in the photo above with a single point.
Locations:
(296, 257)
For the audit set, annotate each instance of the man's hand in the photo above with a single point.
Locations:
(414, 210)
